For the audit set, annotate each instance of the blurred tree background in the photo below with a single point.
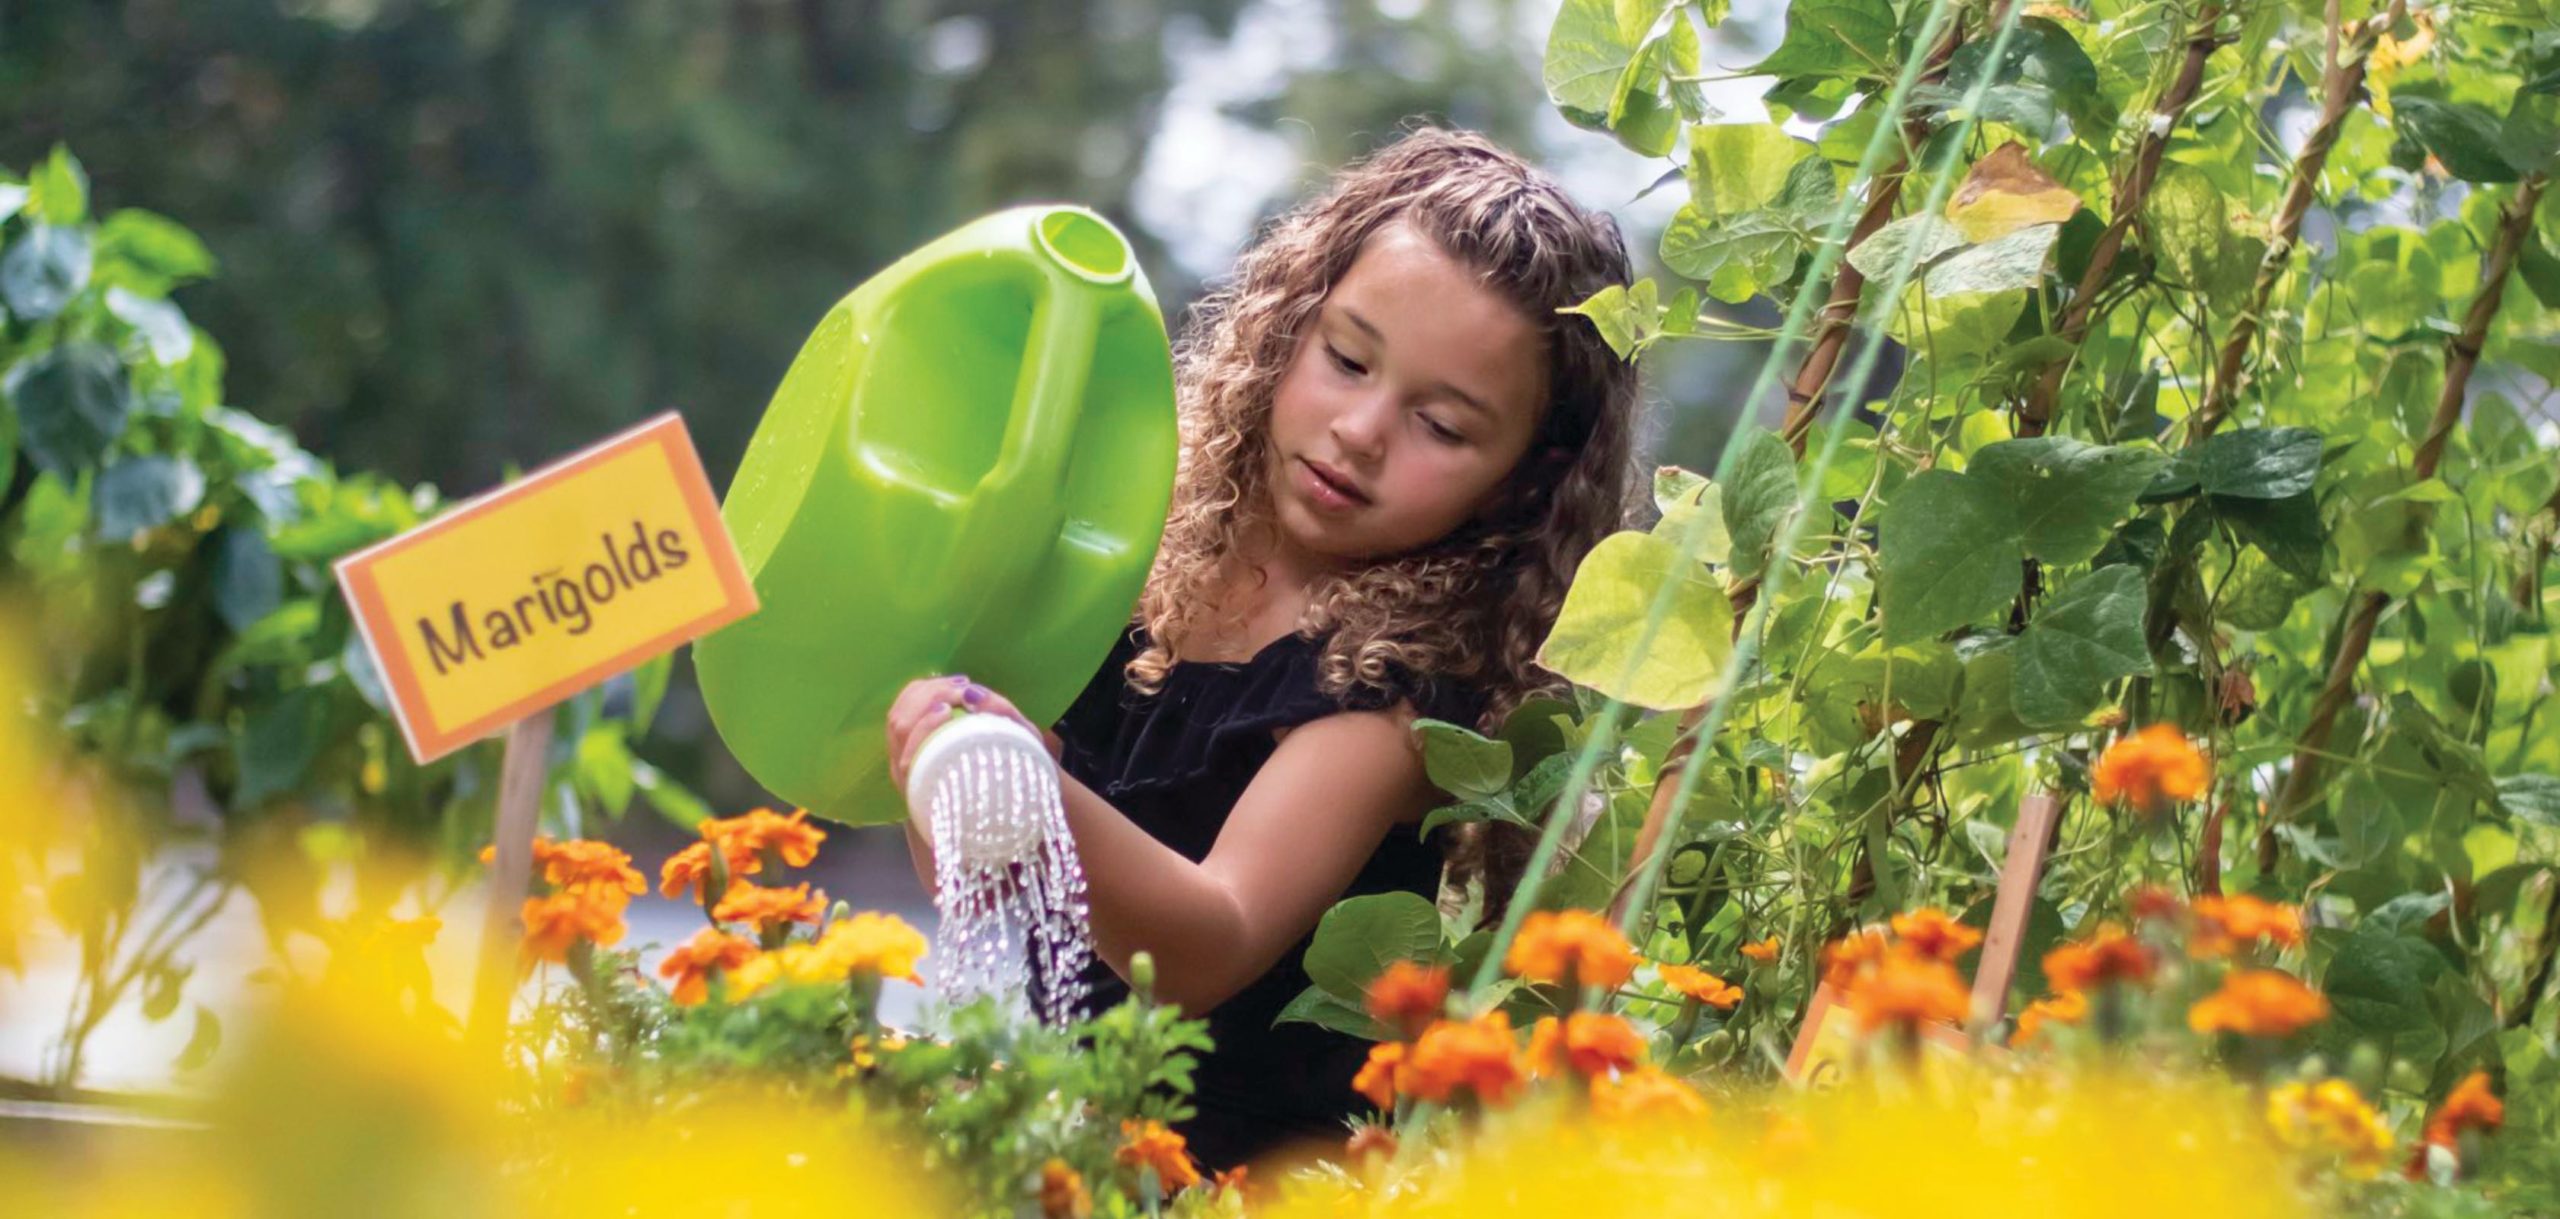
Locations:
(460, 236)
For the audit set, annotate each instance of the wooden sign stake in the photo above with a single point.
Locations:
(520, 778)
(2029, 842)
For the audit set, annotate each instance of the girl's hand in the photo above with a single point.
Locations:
(927, 703)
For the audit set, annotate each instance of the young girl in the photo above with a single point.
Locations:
(1395, 451)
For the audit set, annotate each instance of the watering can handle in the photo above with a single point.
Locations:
(1011, 518)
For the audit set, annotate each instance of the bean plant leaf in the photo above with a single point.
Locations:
(1737, 167)
(155, 244)
(1887, 247)
(1590, 47)
(1322, 1008)
(2042, 71)
(1461, 762)
(72, 403)
(1360, 937)
(2068, 494)
(2463, 137)
(139, 493)
(2256, 463)
(2007, 263)
(2377, 983)
(2087, 637)
(1947, 544)
(1832, 38)
(1692, 515)
(2536, 798)
(2006, 191)
(43, 270)
(1595, 639)
(1760, 497)
(2287, 531)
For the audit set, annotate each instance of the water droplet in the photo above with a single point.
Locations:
(1011, 887)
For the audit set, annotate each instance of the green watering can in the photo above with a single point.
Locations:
(966, 470)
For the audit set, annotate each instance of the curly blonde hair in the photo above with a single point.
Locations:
(1473, 606)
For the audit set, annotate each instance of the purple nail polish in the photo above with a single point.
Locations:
(974, 695)
(959, 679)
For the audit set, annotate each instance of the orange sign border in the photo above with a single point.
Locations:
(358, 582)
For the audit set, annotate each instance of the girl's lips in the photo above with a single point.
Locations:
(1324, 491)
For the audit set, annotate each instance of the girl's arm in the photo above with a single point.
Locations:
(1314, 813)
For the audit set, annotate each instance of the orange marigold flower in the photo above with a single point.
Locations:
(1408, 996)
(1764, 952)
(2150, 770)
(1477, 1055)
(2470, 1106)
(754, 832)
(752, 903)
(1844, 958)
(1230, 1179)
(583, 864)
(1062, 1192)
(2259, 1003)
(552, 924)
(690, 869)
(1908, 990)
(1702, 986)
(1369, 1141)
(1932, 933)
(1573, 947)
(2227, 923)
(1148, 1144)
(2108, 956)
(1377, 1077)
(2153, 903)
(691, 965)
(1585, 1043)
(2069, 1007)
(2332, 1117)
(1645, 1092)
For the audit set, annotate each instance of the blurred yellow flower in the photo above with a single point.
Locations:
(2331, 1117)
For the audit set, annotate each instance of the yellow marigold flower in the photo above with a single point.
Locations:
(2227, 923)
(759, 830)
(1764, 952)
(691, 965)
(1477, 1055)
(1585, 1043)
(2331, 1117)
(2470, 1106)
(873, 943)
(2150, 770)
(2069, 1007)
(2391, 54)
(749, 978)
(1407, 997)
(552, 924)
(2108, 956)
(1062, 1192)
(2259, 1003)
(689, 870)
(1702, 986)
(1645, 1092)
(1377, 1077)
(767, 908)
(1572, 947)
(1148, 1144)
(1845, 958)
(1907, 990)
(1932, 933)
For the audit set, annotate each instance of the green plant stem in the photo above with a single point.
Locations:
(2462, 355)
(2132, 190)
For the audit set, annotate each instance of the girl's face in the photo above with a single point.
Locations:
(1410, 399)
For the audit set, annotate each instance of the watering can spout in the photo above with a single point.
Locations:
(966, 469)
(1084, 245)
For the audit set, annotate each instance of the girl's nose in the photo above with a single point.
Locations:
(1363, 424)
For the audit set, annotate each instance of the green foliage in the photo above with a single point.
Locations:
(168, 556)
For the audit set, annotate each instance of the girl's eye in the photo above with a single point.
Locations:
(1343, 362)
(1440, 431)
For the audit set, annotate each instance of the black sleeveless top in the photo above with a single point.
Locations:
(1175, 763)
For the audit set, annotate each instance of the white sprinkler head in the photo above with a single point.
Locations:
(993, 774)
